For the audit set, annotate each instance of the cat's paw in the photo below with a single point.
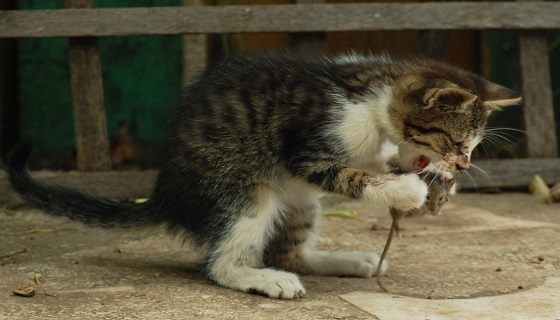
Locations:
(352, 264)
(272, 283)
(278, 285)
(407, 192)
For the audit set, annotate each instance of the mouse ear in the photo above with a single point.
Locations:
(448, 183)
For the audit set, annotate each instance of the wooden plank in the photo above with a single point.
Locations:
(309, 41)
(538, 110)
(92, 143)
(195, 49)
(277, 18)
(508, 173)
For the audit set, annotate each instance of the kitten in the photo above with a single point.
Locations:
(257, 138)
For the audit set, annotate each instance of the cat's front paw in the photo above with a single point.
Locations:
(272, 283)
(407, 192)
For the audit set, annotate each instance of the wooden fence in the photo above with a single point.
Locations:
(82, 23)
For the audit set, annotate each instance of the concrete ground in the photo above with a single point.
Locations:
(487, 257)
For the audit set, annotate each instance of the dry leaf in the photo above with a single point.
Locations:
(538, 260)
(340, 213)
(538, 188)
(25, 291)
(31, 287)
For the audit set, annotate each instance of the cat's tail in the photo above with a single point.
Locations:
(65, 202)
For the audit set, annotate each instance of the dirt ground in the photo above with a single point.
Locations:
(499, 246)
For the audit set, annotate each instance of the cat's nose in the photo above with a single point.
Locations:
(462, 162)
(462, 166)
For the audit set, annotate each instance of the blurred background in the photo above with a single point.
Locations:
(143, 77)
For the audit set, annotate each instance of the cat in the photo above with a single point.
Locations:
(257, 138)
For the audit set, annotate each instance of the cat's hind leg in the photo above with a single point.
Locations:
(236, 261)
(293, 246)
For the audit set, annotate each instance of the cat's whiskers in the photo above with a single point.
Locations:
(432, 181)
(501, 136)
(438, 166)
(505, 129)
(404, 141)
(496, 137)
(484, 173)
(499, 139)
(465, 173)
(483, 146)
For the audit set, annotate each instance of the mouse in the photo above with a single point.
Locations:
(440, 187)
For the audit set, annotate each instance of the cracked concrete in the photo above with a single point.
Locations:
(487, 257)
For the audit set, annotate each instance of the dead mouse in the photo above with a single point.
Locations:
(439, 189)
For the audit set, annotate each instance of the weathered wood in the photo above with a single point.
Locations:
(133, 184)
(195, 49)
(309, 41)
(509, 173)
(92, 143)
(276, 18)
(538, 111)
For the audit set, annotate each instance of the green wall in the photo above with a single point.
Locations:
(141, 81)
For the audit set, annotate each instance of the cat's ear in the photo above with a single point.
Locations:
(497, 97)
(453, 96)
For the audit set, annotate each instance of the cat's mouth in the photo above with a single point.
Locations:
(420, 163)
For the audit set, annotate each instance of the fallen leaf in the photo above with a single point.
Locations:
(29, 289)
(538, 188)
(25, 291)
(538, 260)
(340, 213)
(140, 200)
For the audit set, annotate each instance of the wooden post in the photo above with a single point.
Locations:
(8, 91)
(195, 49)
(538, 110)
(310, 41)
(92, 144)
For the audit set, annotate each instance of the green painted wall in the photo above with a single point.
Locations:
(141, 80)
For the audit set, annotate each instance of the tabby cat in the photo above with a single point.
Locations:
(256, 140)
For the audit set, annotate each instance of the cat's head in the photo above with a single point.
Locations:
(440, 113)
